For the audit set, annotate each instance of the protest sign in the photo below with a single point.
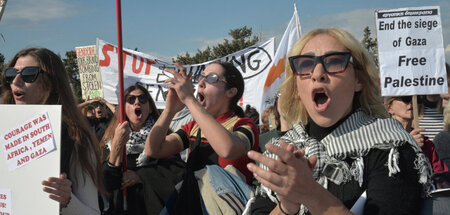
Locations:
(90, 78)
(253, 63)
(24, 183)
(5, 201)
(28, 141)
(411, 51)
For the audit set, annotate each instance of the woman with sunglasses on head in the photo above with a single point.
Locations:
(340, 145)
(148, 181)
(401, 109)
(38, 76)
(218, 134)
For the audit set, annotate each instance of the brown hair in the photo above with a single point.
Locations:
(57, 91)
(109, 133)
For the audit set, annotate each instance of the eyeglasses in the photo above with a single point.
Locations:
(332, 63)
(142, 99)
(404, 99)
(210, 78)
(28, 74)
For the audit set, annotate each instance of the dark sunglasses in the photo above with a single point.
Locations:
(404, 99)
(142, 99)
(303, 65)
(28, 74)
(210, 78)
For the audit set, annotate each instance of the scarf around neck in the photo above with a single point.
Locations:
(353, 138)
(136, 143)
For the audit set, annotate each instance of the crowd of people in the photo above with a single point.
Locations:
(329, 139)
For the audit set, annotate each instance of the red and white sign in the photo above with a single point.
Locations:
(5, 202)
(30, 140)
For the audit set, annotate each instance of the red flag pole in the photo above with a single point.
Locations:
(121, 96)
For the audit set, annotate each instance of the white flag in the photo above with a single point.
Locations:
(2, 7)
(276, 73)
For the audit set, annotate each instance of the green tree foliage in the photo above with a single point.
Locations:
(2, 67)
(370, 44)
(241, 38)
(70, 63)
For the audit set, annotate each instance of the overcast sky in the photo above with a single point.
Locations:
(167, 28)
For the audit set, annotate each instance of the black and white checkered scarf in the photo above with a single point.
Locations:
(354, 138)
(136, 143)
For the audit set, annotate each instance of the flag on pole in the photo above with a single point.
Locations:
(276, 73)
(2, 7)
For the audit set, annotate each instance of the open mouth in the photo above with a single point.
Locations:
(138, 112)
(18, 94)
(321, 99)
(200, 98)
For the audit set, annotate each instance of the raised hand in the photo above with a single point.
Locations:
(181, 83)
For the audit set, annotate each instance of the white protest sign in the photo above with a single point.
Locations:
(253, 63)
(27, 196)
(90, 78)
(30, 140)
(5, 201)
(411, 51)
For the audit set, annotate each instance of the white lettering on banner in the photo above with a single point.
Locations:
(253, 63)
(411, 52)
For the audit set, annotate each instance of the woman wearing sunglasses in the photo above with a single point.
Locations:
(38, 76)
(218, 135)
(148, 181)
(401, 109)
(339, 146)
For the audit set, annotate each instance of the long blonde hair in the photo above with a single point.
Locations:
(447, 117)
(369, 98)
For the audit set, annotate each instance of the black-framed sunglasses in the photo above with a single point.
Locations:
(210, 78)
(332, 63)
(28, 74)
(404, 99)
(142, 99)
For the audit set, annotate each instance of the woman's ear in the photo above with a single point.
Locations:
(231, 92)
(358, 85)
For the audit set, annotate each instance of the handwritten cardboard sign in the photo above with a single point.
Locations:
(30, 140)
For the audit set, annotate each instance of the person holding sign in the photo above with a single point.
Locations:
(38, 76)
(401, 109)
(218, 135)
(340, 145)
(148, 181)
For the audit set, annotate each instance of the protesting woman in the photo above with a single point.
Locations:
(218, 135)
(38, 76)
(148, 181)
(339, 146)
(401, 109)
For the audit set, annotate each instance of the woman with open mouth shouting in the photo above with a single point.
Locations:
(218, 135)
(38, 76)
(145, 176)
(341, 144)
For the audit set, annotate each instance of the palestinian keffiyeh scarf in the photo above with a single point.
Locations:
(354, 138)
(136, 143)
